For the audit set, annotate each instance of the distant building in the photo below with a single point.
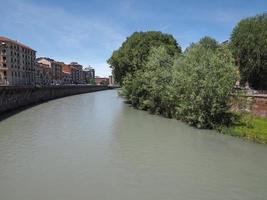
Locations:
(17, 63)
(56, 68)
(89, 74)
(43, 74)
(66, 70)
(77, 73)
(101, 80)
(111, 80)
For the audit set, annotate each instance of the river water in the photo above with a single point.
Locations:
(94, 146)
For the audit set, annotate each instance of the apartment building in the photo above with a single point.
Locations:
(43, 74)
(89, 74)
(77, 73)
(17, 63)
(66, 74)
(56, 69)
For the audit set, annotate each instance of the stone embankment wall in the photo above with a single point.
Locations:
(254, 104)
(19, 96)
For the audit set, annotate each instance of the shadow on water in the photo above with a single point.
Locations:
(10, 113)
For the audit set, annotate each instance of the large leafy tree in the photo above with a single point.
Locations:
(204, 79)
(249, 46)
(134, 52)
(209, 43)
(150, 88)
(206, 42)
(194, 87)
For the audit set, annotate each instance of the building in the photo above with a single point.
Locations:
(66, 74)
(77, 73)
(56, 69)
(89, 75)
(111, 80)
(17, 63)
(101, 80)
(43, 74)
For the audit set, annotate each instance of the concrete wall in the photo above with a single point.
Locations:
(14, 97)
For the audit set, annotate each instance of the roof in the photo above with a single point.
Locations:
(5, 39)
(66, 68)
(43, 65)
(45, 58)
(101, 78)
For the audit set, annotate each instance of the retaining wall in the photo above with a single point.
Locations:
(254, 104)
(13, 97)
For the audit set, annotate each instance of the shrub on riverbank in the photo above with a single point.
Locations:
(204, 78)
(194, 87)
(150, 88)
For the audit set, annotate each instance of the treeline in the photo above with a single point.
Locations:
(194, 85)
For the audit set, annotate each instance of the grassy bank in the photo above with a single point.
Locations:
(248, 126)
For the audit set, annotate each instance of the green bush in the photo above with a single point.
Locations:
(204, 79)
(150, 88)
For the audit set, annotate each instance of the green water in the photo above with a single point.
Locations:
(93, 146)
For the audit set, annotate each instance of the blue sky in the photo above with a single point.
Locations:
(88, 31)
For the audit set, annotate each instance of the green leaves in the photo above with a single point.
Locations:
(204, 79)
(249, 46)
(194, 87)
(134, 52)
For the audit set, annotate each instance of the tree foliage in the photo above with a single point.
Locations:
(134, 52)
(209, 43)
(249, 46)
(150, 88)
(204, 79)
(194, 87)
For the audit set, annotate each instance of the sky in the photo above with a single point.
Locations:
(88, 31)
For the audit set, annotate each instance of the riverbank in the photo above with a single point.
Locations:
(248, 118)
(248, 126)
(15, 97)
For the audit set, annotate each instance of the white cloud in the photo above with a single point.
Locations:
(55, 28)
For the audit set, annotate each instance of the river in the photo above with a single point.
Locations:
(94, 146)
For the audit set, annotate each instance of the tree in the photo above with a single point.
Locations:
(249, 47)
(204, 79)
(209, 43)
(134, 52)
(206, 42)
(90, 80)
(104, 82)
(149, 88)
